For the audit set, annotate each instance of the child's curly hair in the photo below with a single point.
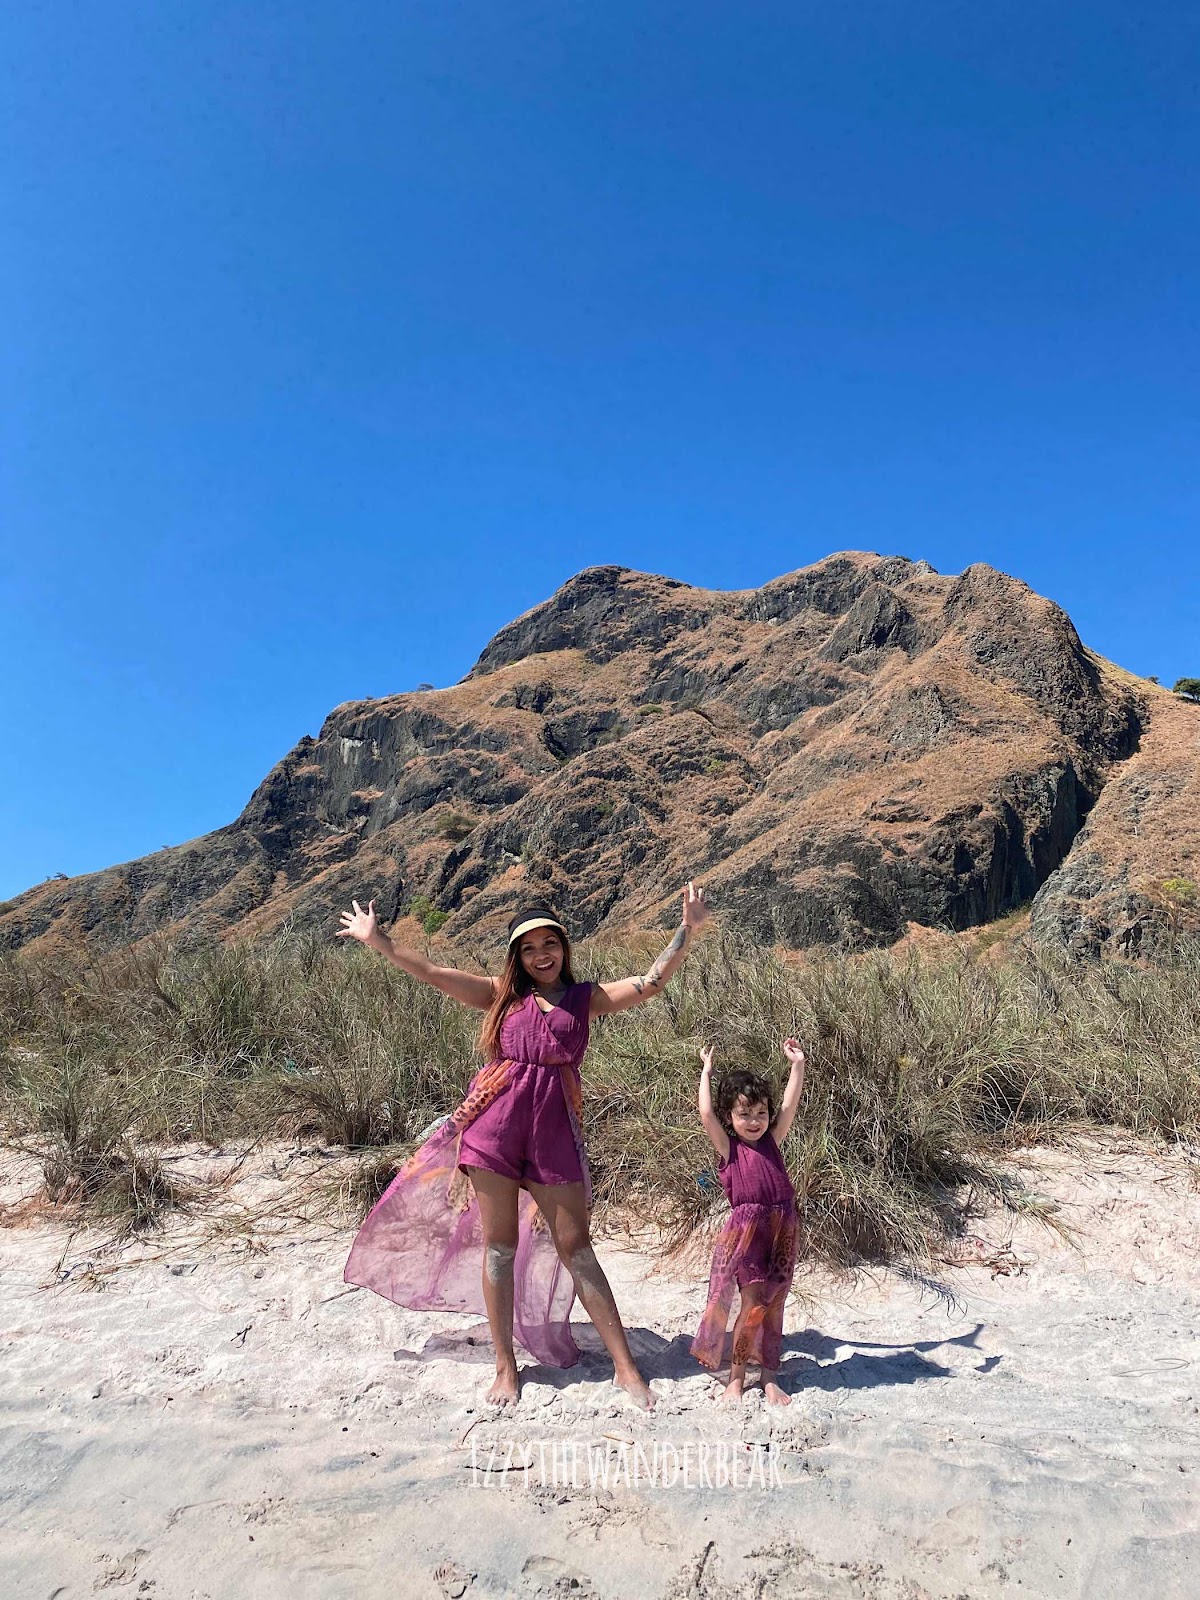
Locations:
(751, 1084)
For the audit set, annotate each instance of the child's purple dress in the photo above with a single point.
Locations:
(422, 1245)
(757, 1245)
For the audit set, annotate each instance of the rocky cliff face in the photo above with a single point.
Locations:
(1130, 881)
(854, 746)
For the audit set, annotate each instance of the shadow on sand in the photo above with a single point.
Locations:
(812, 1360)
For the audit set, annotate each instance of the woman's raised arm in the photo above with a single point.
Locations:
(625, 993)
(465, 986)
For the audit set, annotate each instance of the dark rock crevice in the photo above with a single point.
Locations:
(877, 620)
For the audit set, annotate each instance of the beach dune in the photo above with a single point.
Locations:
(209, 1412)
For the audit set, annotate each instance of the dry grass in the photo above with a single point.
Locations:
(925, 1069)
(69, 1104)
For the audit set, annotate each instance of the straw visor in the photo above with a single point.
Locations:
(528, 920)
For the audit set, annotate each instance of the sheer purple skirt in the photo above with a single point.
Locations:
(757, 1246)
(422, 1244)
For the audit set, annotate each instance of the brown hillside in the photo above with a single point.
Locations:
(852, 747)
(1131, 878)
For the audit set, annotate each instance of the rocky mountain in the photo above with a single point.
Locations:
(856, 746)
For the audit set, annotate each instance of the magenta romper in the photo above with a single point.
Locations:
(422, 1244)
(757, 1245)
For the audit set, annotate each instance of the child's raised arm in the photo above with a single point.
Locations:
(712, 1123)
(792, 1092)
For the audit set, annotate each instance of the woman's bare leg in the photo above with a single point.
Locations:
(497, 1198)
(565, 1210)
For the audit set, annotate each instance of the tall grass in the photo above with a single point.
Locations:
(923, 1072)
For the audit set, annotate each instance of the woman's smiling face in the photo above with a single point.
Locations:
(542, 956)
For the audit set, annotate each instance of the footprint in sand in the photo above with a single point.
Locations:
(549, 1576)
(119, 1569)
(452, 1580)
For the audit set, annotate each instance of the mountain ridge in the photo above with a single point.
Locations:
(851, 747)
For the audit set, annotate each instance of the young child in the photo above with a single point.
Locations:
(756, 1250)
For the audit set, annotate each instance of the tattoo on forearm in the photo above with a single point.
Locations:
(655, 976)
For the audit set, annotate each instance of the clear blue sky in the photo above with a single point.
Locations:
(338, 334)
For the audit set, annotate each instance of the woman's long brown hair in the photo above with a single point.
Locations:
(513, 985)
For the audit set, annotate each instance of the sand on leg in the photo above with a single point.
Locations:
(564, 1207)
(497, 1198)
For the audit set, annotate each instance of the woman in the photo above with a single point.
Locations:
(517, 1138)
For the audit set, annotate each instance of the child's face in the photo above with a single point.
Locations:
(750, 1118)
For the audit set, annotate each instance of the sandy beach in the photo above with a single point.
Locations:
(208, 1412)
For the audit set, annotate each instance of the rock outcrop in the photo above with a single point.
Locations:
(856, 746)
(1131, 883)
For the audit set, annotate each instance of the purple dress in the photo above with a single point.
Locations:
(422, 1244)
(526, 1132)
(757, 1245)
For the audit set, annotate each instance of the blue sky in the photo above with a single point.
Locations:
(338, 335)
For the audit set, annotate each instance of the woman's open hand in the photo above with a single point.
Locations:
(360, 924)
(695, 908)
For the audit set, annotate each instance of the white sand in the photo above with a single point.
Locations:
(226, 1421)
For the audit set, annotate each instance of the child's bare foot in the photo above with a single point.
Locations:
(506, 1390)
(636, 1387)
(774, 1395)
(733, 1390)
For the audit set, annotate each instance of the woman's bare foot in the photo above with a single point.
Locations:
(774, 1395)
(506, 1390)
(733, 1390)
(636, 1387)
